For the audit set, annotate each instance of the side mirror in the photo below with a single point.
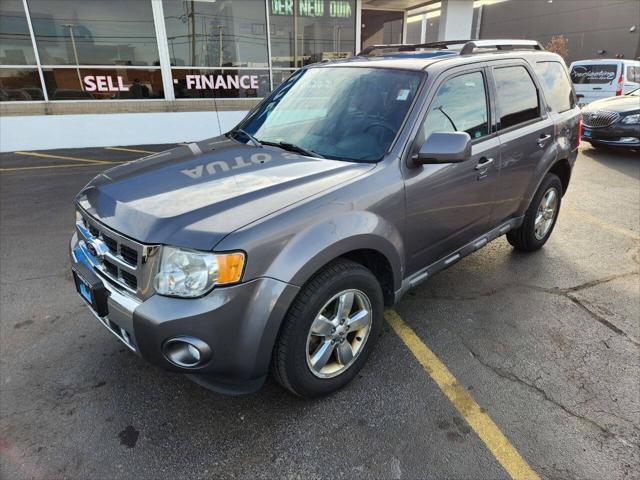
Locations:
(444, 147)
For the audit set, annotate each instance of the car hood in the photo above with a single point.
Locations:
(621, 104)
(194, 195)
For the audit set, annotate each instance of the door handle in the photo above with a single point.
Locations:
(484, 163)
(543, 140)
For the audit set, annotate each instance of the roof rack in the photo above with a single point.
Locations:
(412, 47)
(468, 46)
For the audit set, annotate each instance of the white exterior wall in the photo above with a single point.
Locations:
(456, 20)
(42, 132)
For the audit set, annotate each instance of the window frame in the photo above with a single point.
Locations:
(439, 82)
(37, 64)
(542, 108)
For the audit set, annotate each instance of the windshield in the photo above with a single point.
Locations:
(344, 113)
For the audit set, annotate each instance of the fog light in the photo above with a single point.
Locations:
(629, 140)
(186, 352)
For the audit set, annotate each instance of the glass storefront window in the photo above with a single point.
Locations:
(20, 84)
(309, 31)
(279, 76)
(227, 83)
(108, 49)
(414, 29)
(104, 32)
(381, 26)
(103, 83)
(216, 34)
(15, 41)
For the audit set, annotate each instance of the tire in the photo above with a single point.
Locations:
(525, 238)
(295, 347)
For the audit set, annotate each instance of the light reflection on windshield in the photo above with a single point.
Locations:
(345, 113)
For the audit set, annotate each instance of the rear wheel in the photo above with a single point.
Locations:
(329, 331)
(540, 218)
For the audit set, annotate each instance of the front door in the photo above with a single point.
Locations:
(449, 205)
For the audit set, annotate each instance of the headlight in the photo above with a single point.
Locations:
(189, 273)
(631, 119)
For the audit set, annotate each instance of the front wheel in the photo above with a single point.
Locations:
(540, 218)
(329, 330)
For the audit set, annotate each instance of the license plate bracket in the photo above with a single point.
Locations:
(92, 291)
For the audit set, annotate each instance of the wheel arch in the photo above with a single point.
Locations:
(379, 265)
(360, 236)
(562, 168)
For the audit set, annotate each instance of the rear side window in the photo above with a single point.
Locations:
(517, 96)
(460, 105)
(594, 74)
(633, 74)
(556, 86)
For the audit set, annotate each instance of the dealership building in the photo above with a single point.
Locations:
(76, 73)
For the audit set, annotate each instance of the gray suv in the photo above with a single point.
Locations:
(276, 247)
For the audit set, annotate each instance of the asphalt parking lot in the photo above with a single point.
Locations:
(547, 345)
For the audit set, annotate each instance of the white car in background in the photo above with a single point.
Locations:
(603, 78)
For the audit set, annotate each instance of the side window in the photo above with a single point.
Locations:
(633, 74)
(460, 105)
(517, 96)
(556, 86)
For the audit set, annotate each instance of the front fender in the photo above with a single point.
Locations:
(315, 246)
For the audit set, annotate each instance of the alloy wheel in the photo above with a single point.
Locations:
(546, 214)
(338, 333)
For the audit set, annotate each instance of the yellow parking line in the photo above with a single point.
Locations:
(587, 217)
(61, 157)
(40, 167)
(134, 150)
(475, 416)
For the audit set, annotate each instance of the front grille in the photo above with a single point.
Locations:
(125, 263)
(110, 268)
(129, 254)
(130, 279)
(111, 243)
(599, 118)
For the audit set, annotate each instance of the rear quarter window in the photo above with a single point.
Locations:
(594, 74)
(556, 86)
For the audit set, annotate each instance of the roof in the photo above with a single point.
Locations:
(420, 56)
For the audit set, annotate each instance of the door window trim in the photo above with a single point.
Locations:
(442, 79)
(542, 110)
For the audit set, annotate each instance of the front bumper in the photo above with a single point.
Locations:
(239, 323)
(613, 135)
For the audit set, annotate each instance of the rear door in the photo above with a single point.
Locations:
(595, 80)
(526, 134)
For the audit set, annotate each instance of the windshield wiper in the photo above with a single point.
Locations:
(292, 147)
(253, 139)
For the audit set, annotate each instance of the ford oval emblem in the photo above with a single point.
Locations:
(97, 248)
